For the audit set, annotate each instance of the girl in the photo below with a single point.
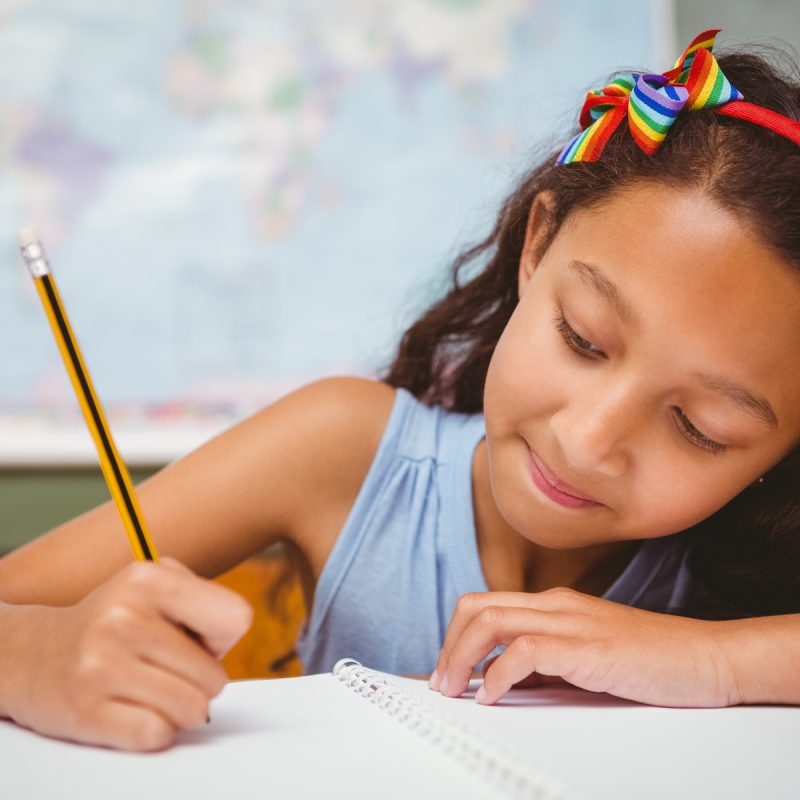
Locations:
(592, 442)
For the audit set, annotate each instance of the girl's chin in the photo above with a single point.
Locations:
(545, 527)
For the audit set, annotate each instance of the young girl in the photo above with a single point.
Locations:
(587, 452)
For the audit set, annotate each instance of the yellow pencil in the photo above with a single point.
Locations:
(113, 467)
(114, 470)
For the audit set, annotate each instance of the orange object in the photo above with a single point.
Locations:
(273, 587)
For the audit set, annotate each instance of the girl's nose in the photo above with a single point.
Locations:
(595, 432)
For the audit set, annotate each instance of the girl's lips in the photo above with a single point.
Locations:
(550, 485)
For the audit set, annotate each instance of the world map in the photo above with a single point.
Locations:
(238, 196)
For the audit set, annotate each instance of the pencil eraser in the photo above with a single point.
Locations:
(28, 236)
(33, 253)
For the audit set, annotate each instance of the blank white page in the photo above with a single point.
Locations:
(289, 738)
(604, 747)
(315, 737)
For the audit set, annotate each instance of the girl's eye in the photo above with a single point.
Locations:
(583, 347)
(695, 436)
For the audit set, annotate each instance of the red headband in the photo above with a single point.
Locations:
(652, 102)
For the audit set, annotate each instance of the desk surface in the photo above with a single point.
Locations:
(314, 737)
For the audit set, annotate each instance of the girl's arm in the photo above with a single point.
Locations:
(565, 636)
(290, 473)
(765, 652)
(93, 646)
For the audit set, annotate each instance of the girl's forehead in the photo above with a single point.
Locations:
(699, 287)
(671, 240)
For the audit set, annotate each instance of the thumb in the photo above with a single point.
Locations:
(174, 565)
(212, 614)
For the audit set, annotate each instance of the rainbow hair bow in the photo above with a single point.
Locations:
(651, 102)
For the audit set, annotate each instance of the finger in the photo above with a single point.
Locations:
(494, 626)
(219, 616)
(176, 566)
(124, 726)
(166, 646)
(181, 702)
(488, 663)
(173, 564)
(467, 606)
(552, 656)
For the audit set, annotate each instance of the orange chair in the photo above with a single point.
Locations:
(272, 586)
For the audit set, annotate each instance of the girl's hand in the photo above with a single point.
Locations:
(117, 669)
(563, 635)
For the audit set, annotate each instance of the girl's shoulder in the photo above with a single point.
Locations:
(343, 421)
(336, 426)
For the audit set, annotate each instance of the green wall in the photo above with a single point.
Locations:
(34, 500)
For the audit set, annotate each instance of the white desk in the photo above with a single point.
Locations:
(314, 737)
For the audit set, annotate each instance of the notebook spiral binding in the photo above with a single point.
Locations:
(507, 774)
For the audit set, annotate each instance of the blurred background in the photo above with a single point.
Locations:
(240, 196)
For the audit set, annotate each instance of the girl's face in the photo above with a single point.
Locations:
(648, 374)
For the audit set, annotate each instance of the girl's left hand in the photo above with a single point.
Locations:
(595, 644)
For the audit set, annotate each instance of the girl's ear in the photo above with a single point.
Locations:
(540, 221)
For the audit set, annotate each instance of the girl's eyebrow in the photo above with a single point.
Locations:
(606, 288)
(755, 405)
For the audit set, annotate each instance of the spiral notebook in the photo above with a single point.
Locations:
(357, 733)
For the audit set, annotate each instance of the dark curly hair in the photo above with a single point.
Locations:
(747, 553)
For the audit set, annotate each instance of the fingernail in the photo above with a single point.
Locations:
(480, 695)
(443, 687)
(433, 682)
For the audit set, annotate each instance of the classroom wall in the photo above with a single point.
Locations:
(225, 305)
(764, 19)
(241, 197)
(33, 500)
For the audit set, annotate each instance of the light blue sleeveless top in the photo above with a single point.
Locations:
(408, 551)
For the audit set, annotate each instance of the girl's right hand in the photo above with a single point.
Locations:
(117, 669)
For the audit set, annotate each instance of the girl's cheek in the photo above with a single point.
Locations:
(527, 379)
(669, 495)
